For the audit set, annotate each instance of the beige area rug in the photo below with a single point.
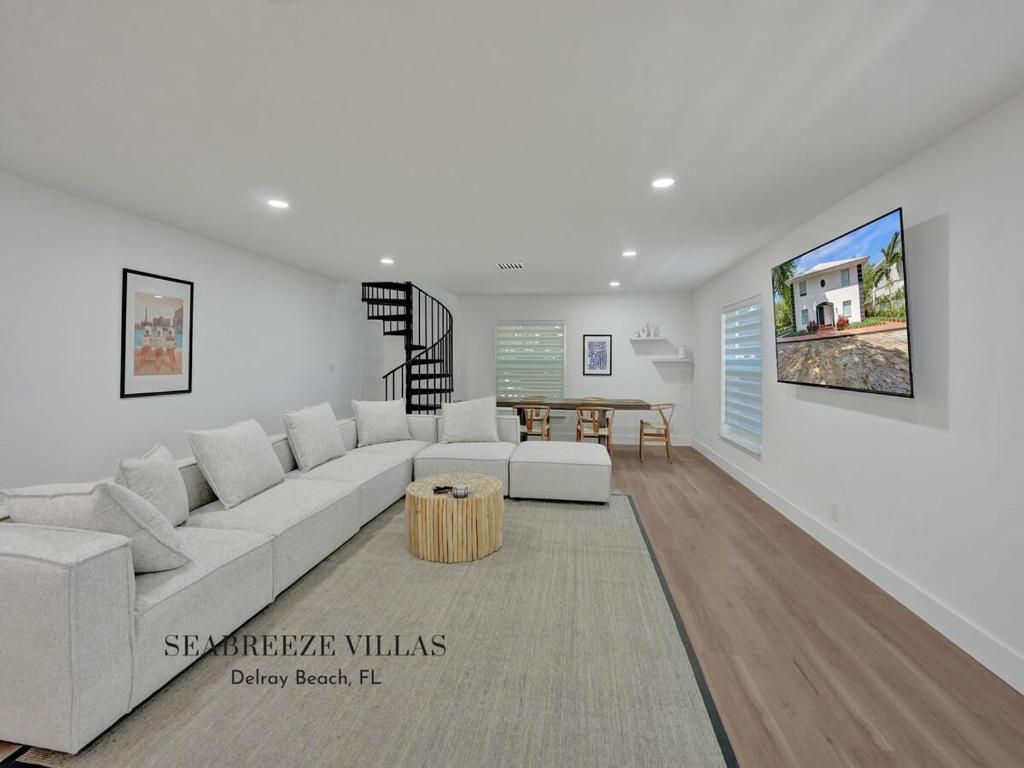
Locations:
(561, 650)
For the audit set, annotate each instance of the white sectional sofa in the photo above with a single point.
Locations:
(83, 637)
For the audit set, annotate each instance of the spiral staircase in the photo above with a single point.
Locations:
(425, 378)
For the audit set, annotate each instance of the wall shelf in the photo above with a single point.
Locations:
(650, 351)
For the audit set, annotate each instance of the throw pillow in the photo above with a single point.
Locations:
(237, 461)
(314, 435)
(105, 507)
(471, 421)
(156, 478)
(381, 421)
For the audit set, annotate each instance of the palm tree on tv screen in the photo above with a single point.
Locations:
(882, 272)
(780, 285)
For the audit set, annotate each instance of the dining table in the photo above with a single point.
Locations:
(572, 403)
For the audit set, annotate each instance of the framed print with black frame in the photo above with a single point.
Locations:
(156, 335)
(597, 354)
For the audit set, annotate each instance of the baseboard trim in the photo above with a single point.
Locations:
(996, 656)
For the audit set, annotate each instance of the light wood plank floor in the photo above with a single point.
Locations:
(810, 664)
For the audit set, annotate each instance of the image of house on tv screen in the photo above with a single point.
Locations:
(841, 312)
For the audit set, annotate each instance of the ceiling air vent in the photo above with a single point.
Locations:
(509, 265)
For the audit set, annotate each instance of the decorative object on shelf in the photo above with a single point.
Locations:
(597, 354)
(656, 332)
(156, 335)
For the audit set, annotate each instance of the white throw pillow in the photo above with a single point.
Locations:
(105, 507)
(156, 478)
(471, 421)
(314, 435)
(381, 421)
(237, 461)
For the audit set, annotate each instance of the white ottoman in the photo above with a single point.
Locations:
(548, 469)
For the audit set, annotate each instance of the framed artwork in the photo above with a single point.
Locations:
(597, 354)
(156, 335)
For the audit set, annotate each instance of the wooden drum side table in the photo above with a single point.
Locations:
(444, 529)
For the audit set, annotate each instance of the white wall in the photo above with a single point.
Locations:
(633, 372)
(935, 511)
(265, 337)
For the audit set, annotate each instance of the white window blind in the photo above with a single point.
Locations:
(529, 359)
(741, 374)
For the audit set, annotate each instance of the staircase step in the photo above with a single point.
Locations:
(425, 361)
(385, 302)
(414, 346)
(397, 333)
(404, 317)
(431, 391)
(422, 376)
(423, 407)
(388, 286)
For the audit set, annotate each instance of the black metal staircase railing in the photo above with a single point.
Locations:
(426, 377)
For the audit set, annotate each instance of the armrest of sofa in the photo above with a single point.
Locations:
(348, 433)
(423, 426)
(508, 428)
(67, 601)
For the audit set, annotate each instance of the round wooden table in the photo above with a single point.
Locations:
(444, 529)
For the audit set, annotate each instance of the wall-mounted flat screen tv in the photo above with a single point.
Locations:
(841, 312)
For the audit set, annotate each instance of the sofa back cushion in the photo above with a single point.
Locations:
(314, 435)
(471, 421)
(381, 421)
(106, 507)
(155, 477)
(238, 461)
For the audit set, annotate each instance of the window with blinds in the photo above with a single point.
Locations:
(741, 374)
(529, 359)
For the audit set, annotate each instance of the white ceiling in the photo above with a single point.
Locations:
(454, 134)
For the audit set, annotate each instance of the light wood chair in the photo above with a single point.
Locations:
(595, 422)
(536, 422)
(653, 432)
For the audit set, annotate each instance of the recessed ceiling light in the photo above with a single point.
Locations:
(157, 296)
(387, 260)
(629, 254)
(278, 204)
(614, 284)
(663, 183)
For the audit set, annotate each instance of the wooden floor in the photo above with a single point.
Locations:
(810, 664)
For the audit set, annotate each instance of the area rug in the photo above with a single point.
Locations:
(561, 649)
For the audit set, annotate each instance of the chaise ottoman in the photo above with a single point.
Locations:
(546, 469)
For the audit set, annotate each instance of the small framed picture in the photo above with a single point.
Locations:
(597, 354)
(156, 335)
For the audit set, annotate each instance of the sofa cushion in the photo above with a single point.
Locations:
(480, 458)
(307, 520)
(381, 477)
(381, 421)
(314, 435)
(106, 507)
(542, 469)
(238, 461)
(407, 449)
(470, 421)
(230, 578)
(155, 477)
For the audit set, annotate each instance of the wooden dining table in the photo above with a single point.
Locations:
(572, 403)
